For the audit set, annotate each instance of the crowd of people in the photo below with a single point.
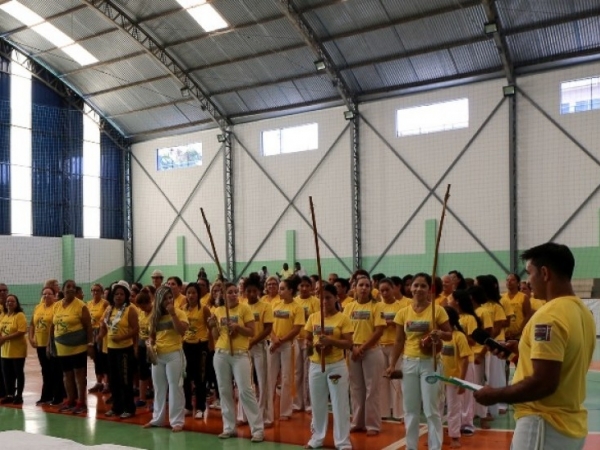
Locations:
(264, 341)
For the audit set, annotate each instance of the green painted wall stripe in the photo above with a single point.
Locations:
(290, 249)
(181, 257)
(68, 257)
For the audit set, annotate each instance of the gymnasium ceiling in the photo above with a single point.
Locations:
(156, 72)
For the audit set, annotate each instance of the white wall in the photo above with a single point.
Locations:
(97, 258)
(30, 260)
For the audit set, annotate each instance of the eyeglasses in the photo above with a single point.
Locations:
(96, 290)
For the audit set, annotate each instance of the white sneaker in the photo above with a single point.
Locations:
(187, 412)
(258, 437)
(199, 415)
(216, 405)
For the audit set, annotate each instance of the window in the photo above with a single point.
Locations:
(580, 95)
(91, 174)
(290, 140)
(432, 118)
(179, 157)
(20, 147)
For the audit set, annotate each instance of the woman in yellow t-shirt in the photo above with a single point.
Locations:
(366, 359)
(53, 390)
(391, 390)
(120, 324)
(13, 328)
(232, 339)
(167, 328)
(310, 304)
(414, 326)
(214, 299)
(334, 382)
(455, 361)
(97, 306)
(288, 320)
(460, 301)
(72, 332)
(144, 303)
(195, 348)
(271, 291)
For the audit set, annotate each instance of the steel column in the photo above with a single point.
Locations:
(356, 204)
(129, 263)
(512, 184)
(229, 205)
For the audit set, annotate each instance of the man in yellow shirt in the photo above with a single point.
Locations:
(555, 351)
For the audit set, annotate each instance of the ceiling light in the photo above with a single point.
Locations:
(320, 65)
(221, 138)
(208, 17)
(80, 55)
(349, 115)
(53, 34)
(22, 13)
(185, 92)
(490, 28)
(509, 90)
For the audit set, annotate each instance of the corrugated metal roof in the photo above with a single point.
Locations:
(377, 45)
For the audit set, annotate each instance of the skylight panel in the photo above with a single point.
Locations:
(205, 14)
(48, 31)
(22, 13)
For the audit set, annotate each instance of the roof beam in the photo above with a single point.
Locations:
(87, 38)
(126, 86)
(491, 11)
(103, 63)
(149, 108)
(291, 78)
(114, 13)
(66, 12)
(574, 17)
(288, 8)
(170, 128)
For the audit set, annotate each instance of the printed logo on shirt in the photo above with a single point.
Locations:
(281, 314)
(417, 326)
(388, 315)
(361, 315)
(448, 350)
(542, 333)
(328, 330)
(231, 318)
(256, 317)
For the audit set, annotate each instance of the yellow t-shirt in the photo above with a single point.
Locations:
(388, 313)
(205, 300)
(96, 310)
(272, 300)
(9, 324)
(441, 299)
(68, 320)
(263, 313)
(42, 320)
(516, 304)
(120, 328)
(335, 326)
(285, 316)
(167, 338)
(197, 331)
(310, 305)
(417, 326)
(144, 325)
(468, 324)
(487, 321)
(562, 330)
(498, 315)
(180, 302)
(536, 303)
(452, 353)
(242, 315)
(404, 302)
(364, 318)
(346, 302)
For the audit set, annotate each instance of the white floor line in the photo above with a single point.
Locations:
(402, 442)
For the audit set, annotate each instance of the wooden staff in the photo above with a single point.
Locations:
(321, 300)
(212, 244)
(433, 275)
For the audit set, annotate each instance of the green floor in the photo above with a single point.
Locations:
(94, 432)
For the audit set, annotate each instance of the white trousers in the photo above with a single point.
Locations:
(496, 377)
(322, 386)
(454, 414)
(391, 390)
(167, 376)
(301, 366)
(237, 367)
(468, 402)
(416, 392)
(366, 375)
(258, 358)
(480, 378)
(281, 361)
(534, 433)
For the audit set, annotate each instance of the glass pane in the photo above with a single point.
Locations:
(91, 159)
(20, 146)
(579, 95)
(20, 183)
(298, 139)
(433, 118)
(91, 191)
(271, 142)
(91, 222)
(20, 218)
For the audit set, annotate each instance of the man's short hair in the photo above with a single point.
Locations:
(177, 281)
(556, 257)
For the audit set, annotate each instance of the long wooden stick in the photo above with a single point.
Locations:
(433, 275)
(220, 269)
(321, 299)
